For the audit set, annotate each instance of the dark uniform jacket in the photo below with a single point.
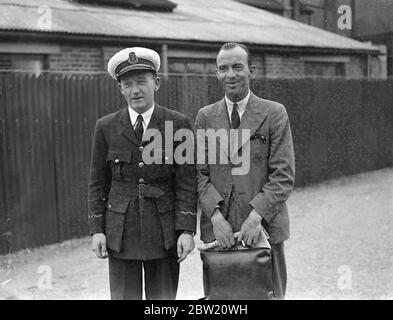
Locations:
(140, 207)
(271, 176)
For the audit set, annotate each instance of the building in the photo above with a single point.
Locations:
(368, 21)
(81, 35)
(322, 14)
(374, 22)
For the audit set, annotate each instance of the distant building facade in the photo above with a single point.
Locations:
(369, 21)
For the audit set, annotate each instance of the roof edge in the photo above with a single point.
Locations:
(31, 36)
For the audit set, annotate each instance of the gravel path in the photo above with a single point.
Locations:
(341, 247)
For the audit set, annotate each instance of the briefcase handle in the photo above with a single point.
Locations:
(214, 244)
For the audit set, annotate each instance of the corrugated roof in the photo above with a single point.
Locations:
(264, 4)
(155, 5)
(201, 20)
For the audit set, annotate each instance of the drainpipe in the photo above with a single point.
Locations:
(353, 30)
(164, 53)
(369, 67)
(295, 9)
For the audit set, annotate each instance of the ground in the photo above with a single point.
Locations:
(340, 248)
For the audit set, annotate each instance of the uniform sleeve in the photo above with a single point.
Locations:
(99, 182)
(281, 168)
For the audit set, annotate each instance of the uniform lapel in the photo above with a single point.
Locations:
(156, 122)
(126, 127)
(128, 131)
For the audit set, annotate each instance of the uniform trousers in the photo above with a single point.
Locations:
(161, 277)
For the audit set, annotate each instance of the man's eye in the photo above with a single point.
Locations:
(141, 82)
(238, 67)
(222, 69)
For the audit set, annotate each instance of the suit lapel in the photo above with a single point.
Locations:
(252, 119)
(220, 120)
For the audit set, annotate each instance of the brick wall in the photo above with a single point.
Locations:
(283, 66)
(276, 66)
(73, 58)
(356, 68)
(108, 52)
(259, 62)
(89, 58)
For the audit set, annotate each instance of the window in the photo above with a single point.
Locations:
(198, 66)
(324, 69)
(28, 62)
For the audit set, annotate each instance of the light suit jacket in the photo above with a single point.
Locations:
(268, 182)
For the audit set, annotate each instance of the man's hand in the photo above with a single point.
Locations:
(222, 230)
(252, 229)
(185, 244)
(98, 245)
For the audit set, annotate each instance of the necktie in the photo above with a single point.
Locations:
(235, 118)
(139, 128)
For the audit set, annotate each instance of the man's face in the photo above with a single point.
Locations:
(138, 89)
(233, 73)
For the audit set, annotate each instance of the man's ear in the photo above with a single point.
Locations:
(252, 69)
(157, 83)
(120, 87)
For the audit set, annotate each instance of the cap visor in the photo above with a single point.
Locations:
(136, 67)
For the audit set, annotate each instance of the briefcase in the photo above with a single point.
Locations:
(238, 273)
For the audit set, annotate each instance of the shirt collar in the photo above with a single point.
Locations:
(240, 104)
(146, 115)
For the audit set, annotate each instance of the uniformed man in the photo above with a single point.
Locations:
(140, 215)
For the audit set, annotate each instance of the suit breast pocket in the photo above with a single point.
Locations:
(259, 144)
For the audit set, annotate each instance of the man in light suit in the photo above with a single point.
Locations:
(252, 203)
(141, 215)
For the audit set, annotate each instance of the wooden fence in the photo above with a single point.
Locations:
(340, 127)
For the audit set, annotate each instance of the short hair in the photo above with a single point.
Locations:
(232, 45)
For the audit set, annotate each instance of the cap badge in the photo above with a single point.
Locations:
(132, 58)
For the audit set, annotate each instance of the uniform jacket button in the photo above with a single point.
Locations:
(141, 164)
(116, 160)
(141, 180)
(141, 148)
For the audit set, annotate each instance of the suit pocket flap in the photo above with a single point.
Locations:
(119, 156)
(165, 203)
(118, 203)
